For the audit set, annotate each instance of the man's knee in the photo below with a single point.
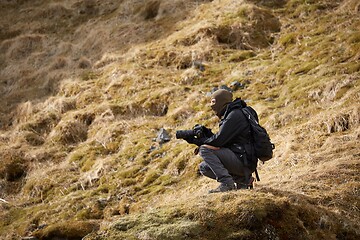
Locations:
(203, 167)
(205, 170)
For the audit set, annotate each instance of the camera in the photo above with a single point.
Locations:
(197, 132)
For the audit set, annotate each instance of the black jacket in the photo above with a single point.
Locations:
(234, 127)
(234, 132)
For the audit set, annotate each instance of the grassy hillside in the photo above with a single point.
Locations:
(87, 85)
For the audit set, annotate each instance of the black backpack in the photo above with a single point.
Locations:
(263, 146)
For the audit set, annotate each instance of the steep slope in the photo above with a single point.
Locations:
(86, 86)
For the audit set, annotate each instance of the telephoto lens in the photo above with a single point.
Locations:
(182, 134)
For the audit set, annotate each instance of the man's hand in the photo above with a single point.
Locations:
(207, 132)
(211, 147)
(190, 140)
(196, 141)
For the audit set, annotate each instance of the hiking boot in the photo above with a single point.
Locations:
(223, 187)
(249, 185)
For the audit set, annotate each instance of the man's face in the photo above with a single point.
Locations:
(212, 103)
(219, 99)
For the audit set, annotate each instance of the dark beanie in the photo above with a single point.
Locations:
(222, 98)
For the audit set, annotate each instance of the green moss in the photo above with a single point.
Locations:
(156, 225)
(76, 156)
(136, 148)
(125, 224)
(342, 91)
(163, 165)
(288, 39)
(150, 178)
(166, 180)
(85, 158)
(354, 38)
(128, 182)
(89, 75)
(145, 160)
(181, 164)
(112, 147)
(236, 17)
(320, 31)
(298, 8)
(215, 72)
(241, 56)
(130, 172)
(306, 68)
(243, 11)
(354, 49)
(105, 188)
(87, 164)
(352, 67)
(16, 220)
(282, 67)
(13, 215)
(150, 191)
(84, 214)
(67, 230)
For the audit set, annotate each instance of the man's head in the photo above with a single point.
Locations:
(219, 100)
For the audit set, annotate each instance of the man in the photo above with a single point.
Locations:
(228, 155)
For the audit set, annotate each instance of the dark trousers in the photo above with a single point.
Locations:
(222, 165)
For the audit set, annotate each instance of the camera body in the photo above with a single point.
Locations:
(197, 132)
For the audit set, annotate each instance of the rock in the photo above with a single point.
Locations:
(226, 88)
(102, 202)
(163, 136)
(237, 85)
(199, 65)
(151, 149)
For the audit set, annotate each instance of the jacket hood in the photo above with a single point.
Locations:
(237, 103)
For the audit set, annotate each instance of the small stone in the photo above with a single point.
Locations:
(199, 65)
(152, 148)
(102, 202)
(163, 136)
(226, 88)
(237, 85)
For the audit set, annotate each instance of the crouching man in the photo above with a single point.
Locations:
(228, 155)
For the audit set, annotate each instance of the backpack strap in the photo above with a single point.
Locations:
(250, 117)
(257, 175)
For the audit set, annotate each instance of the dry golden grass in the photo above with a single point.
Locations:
(86, 86)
